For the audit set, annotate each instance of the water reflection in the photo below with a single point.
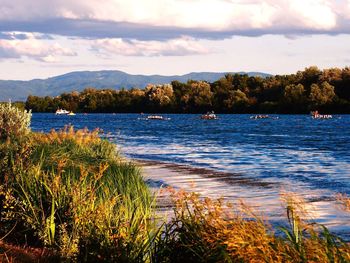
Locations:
(294, 152)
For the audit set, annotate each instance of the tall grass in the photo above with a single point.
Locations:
(204, 230)
(73, 193)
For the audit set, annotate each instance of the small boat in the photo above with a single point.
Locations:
(156, 117)
(316, 115)
(256, 117)
(71, 113)
(209, 116)
(61, 112)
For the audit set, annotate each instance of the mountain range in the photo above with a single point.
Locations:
(17, 90)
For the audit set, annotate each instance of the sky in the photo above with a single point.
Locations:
(45, 38)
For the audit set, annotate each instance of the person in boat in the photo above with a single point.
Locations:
(209, 116)
(316, 115)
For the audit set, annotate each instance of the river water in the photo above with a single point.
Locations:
(259, 158)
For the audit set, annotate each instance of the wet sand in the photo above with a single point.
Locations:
(263, 197)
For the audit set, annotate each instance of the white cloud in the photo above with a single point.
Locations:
(32, 48)
(156, 27)
(209, 14)
(245, 17)
(317, 14)
(345, 10)
(174, 47)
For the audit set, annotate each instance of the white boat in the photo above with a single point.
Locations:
(256, 117)
(62, 112)
(157, 117)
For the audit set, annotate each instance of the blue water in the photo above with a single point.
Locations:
(296, 148)
(293, 152)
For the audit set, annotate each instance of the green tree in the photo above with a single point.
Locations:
(200, 96)
(343, 86)
(295, 99)
(321, 95)
(294, 94)
(88, 100)
(310, 75)
(159, 96)
(236, 101)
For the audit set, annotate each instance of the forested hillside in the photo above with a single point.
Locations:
(16, 90)
(325, 90)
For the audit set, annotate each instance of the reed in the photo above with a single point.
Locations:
(73, 193)
(205, 230)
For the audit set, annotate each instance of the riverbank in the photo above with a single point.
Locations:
(70, 193)
(265, 198)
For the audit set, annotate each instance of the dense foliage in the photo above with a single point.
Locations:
(325, 90)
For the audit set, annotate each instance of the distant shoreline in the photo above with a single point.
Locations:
(309, 90)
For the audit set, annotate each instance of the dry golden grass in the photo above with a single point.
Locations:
(344, 201)
(80, 137)
(206, 230)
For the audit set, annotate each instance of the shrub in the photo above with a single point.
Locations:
(14, 139)
(14, 123)
(75, 195)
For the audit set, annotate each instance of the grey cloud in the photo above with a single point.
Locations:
(13, 35)
(10, 35)
(3, 35)
(7, 53)
(44, 37)
(95, 29)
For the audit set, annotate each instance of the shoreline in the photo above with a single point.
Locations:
(227, 177)
(264, 199)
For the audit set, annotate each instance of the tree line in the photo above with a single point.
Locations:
(325, 90)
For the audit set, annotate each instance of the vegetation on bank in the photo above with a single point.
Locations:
(18, 104)
(68, 196)
(70, 192)
(325, 90)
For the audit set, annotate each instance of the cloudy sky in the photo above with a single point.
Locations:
(43, 38)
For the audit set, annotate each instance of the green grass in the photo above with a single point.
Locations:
(73, 193)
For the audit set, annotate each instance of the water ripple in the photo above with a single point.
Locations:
(308, 156)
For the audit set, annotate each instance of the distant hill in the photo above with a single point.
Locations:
(19, 90)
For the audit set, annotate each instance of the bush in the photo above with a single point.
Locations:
(14, 139)
(74, 194)
(14, 123)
